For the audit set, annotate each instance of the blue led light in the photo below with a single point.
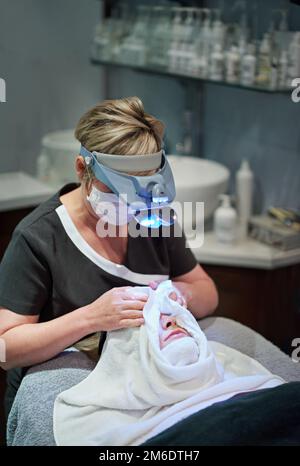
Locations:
(155, 219)
(151, 222)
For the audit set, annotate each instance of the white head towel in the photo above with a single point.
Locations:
(137, 389)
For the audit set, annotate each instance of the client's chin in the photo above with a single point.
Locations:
(181, 351)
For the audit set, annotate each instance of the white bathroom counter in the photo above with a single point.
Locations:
(19, 190)
(247, 253)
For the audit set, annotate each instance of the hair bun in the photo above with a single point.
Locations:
(120, 126)
(136, 105)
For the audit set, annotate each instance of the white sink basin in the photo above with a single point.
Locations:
(199, 180)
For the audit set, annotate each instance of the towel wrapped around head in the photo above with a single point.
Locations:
(139, 387)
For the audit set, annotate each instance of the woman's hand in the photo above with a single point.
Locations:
(179, 294)
(117, 308)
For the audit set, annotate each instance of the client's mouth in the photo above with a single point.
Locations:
(176, 332)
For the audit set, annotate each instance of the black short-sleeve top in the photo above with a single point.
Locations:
(49, 269)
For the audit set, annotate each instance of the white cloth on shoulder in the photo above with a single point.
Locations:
(138, 390)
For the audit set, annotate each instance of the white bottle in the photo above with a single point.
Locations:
(176, 40)
(42, 167)
(218, 29)
(244, 194)
(274, 73)
(217, 63)
(206, 35)
(264, 61)
(225, 221)
(199, 66)
(248, 67)
(233, 65)
(294, 56)
(283, 70)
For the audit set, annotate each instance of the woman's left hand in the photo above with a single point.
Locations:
(177, 295)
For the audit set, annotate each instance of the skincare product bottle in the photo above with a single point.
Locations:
(242, 29)
(294, 56)
(225, 221)
(248, 66)
(264, 61)
(218, 29)
(274, 73)
(233, 65)
(173, 52)
(42, 167)
(199, 66)
(187, 55)
(186, 146)
(217, 63)
(206, 35)
(283, 25)
(283, 70)
(244, 194)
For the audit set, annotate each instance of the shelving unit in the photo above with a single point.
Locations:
(96, 59)
(183, 76)
(193, 85)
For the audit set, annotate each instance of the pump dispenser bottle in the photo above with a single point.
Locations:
(244, 193)
(248, 66)
(225, 221)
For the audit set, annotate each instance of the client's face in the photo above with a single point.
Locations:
(169, 330)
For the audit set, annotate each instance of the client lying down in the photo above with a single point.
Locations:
(150, 377)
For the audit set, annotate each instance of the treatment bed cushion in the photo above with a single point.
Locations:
(31, 418)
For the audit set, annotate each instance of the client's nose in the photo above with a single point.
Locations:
(168, 321)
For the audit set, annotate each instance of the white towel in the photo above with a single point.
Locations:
(138, 390)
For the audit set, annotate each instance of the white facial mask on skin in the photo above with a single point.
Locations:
(182, 351)
(108, 207)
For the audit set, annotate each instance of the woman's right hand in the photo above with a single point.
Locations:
(117, 308)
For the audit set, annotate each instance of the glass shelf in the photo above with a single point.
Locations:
(165, 72)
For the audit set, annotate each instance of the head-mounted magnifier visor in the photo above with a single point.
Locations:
(148, 197)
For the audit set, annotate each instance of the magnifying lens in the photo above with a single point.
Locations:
(155, 218)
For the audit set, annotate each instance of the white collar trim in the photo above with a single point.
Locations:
(118, 270)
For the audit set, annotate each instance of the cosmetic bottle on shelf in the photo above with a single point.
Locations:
(248, 66)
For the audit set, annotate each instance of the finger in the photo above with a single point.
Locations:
(131, 322)
(128, 305)
(154, 283)
(134, 296)
(131, 314)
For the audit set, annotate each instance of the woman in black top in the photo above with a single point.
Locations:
(59, 281)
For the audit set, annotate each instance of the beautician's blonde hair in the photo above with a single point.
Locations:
(119, 126)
